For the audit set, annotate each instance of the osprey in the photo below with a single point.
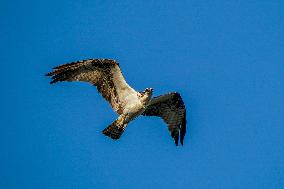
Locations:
(106, 75)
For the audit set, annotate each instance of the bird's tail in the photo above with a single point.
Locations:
(115, 129)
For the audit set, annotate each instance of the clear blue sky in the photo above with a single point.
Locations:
(226, 58)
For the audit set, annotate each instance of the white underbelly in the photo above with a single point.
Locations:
(133, 110)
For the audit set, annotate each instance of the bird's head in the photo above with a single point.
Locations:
(148, 91)
(146, 95)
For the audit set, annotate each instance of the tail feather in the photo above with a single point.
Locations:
(114, 130)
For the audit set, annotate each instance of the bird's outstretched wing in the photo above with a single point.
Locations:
(105, 74)
(171, 109)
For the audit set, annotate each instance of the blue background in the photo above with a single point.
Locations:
(226, 58)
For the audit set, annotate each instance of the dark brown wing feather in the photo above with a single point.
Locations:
(105, 74)
(171, 109)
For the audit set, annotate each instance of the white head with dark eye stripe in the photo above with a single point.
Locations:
(149, 90)
(146, 95)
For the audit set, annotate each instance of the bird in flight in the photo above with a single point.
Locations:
(106, 75)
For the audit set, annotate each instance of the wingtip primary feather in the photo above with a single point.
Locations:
(53, 82)
(183, 128)
(48, 74)
(53, 79)
(176, 142)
